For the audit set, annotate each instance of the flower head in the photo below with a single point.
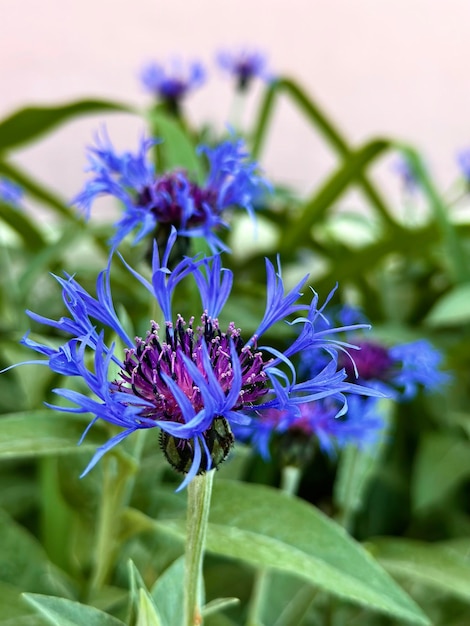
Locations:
(400, 370)
(153, 201)
(244, 65)
(171, 83)
(192, 380)
(10, 192)
(463, 160)
(403, 168)
(317, 424)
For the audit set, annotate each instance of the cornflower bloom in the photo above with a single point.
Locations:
(319, 424)
(399, 371)
(192, 381)
(10, 192)
(173, 82)
(463, 160)
(158, 202)
(244, 65)
(402, 167)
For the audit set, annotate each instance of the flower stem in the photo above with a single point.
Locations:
(290, 479)
(199, 498)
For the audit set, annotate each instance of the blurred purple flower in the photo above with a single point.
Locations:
(244, 65)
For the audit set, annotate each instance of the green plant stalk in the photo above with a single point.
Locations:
(119, 473)
(453, 244)
(199, 499)
(290, 480)
(325, 127)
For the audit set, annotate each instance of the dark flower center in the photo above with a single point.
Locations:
(174, 199)
(372, 361)
(142, 376)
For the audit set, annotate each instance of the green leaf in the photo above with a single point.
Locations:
(300, 540)
(452, 309)
(356, 468)
(437, 565)
(321, 122)
(24, 563)
(217, 605)
(25, 125)
(147, 614)
(443, 461)
(167, 593)
(37, 190)
(62, 612)
(455, 252)
(315, 209)
(24, 227)
(34, 433)
(177, 149)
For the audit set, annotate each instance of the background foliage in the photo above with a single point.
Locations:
(107, 549)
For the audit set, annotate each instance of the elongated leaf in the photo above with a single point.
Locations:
(24, 563)
(436, 565)
(314, 210)
(25, 125)
(62, 612)
(25, 227)
(37, 190)
(443, 461)
(167, 594)
(147, 614)
(326, 128)
(452, 309)
(34, 433)
(455, 252)
(300, 540)
(177, 149)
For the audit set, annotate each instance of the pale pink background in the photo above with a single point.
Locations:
(386, 67)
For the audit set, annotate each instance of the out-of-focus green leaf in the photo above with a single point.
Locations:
(37, 190)
(24, 563)
(436, 565)
(324, 125)
(177, 149)
(298, 231)
(34, 433)
(28, 123)
(62, 612)
(455, 251)
(300, 540)
(24, 226)
(443, 461)
(452, 309)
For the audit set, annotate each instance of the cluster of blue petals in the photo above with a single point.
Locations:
(172, 199)
(10, 193)
(244, 65)
(396, 372)
(172, 82)
(92, 317)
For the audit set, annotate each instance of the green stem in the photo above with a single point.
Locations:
(290, 479)
(199, 499)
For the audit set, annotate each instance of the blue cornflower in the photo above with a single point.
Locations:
(10, 192)
(244, 65)
(463, 160)
(192, 381)
(315, 424)
(154, 201)
(171, 83)
(399, 371)
(403, 168)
